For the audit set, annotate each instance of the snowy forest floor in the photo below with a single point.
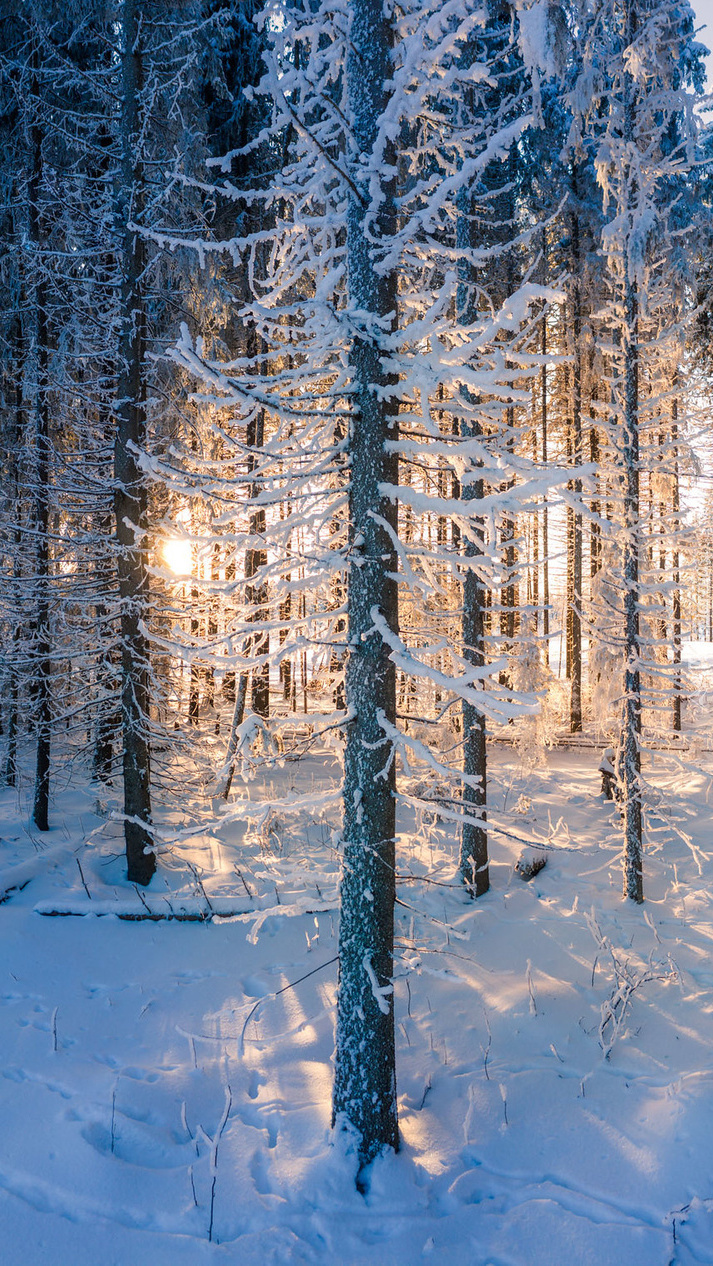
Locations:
(165, 1098)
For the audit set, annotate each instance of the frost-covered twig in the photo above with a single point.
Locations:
(380, 992)
(214, 1155)
(628, 980)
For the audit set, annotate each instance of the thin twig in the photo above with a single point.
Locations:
(272, 996)
(81, 874)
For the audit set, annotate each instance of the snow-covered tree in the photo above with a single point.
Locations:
(398, 325)
(633, 98)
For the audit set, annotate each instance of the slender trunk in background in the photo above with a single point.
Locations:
(505, 213)
(194, 688)
(569, 528)
(336, 659)
(130, 497)
(661, 624)
(255, 558)
(230, 572)
(676, 565)
(630, 752)
(286, 665)
(225, 778)
(17, 443)
(194, 685)
(474, 869)
(631, 756)
(535, 595)
(574, 608)
(41, 508)
(209, 671)
(510, 590)
(595, 537)
(105, 724)
(365, 1075)
(103, 755)
(256, 595)
(543, 425)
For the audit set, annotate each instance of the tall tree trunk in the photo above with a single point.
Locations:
(130, 497)
(225, 778)
(474, 869)
(676, 566)
(42, 650)
(212, 621)
(106, 712)
(365, 1077)
(509, 596)
(256, 595)
(194, 687)
(543, 424)
(16, 446)
(535, 591)
(286, 664)
(107, 719)
(595, 537)
(336, 658)
(630, 755)
(574, 608)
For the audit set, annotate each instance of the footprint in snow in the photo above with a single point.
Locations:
(268, 1122)
(134, 1145)
(253, 987)
(140, 1074)
(255, 1082)
(259, 1174)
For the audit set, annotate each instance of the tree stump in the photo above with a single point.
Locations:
(608, 772)
(530, 862)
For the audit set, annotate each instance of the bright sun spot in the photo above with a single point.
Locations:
(177, 554)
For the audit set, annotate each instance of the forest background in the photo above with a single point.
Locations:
(355, 420)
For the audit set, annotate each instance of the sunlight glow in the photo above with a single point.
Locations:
(177, 554)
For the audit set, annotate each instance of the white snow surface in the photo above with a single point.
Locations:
(152, 1071)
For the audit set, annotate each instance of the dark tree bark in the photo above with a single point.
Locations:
(631, 729)
(574, 542)
(15, 447)
(225, 781)
(130, 496)
(256, 590)
(365, 1080)
(595, 537)
(676, 566)
(41, 511)
(544, 455)
(630, 753)
(474, 870)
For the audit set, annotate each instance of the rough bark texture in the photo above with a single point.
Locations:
(105, 719)
(574, 562)
(630, 754)
(595, 538)
(676, 562)
(41, 509)
(256, 594)
(17, 440)
(129, 485)
(226, 779)
(474, 837)
(365, 1082)
(474, 869)
(544, 454)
